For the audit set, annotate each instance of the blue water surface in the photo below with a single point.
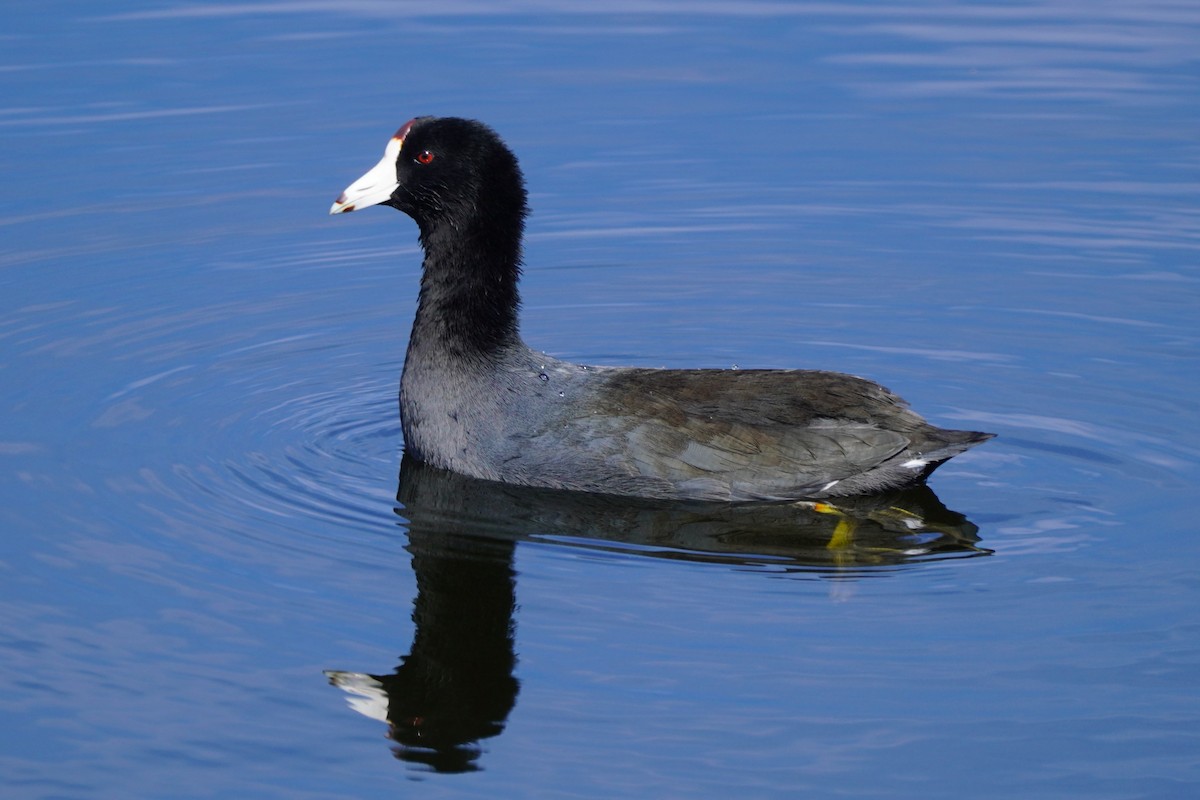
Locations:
(214, 584)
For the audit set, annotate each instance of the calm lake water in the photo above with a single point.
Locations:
(213, 582)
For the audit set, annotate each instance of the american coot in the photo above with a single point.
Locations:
(475, 399)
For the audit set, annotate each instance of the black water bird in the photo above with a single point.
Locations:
(475, 399)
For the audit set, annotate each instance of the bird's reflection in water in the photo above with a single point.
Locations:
(456, 687)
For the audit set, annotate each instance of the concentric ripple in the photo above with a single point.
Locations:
(337, 450)
(291, 442)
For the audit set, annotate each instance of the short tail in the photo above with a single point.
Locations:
(945, 445)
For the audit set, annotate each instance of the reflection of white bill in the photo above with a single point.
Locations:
(367, 695)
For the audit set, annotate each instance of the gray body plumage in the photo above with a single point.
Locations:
(705, 434)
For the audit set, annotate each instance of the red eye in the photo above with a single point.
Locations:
(425, 157)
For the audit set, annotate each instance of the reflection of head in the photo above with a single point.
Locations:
(456, 686)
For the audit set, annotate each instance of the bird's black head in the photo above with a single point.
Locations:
(444, 172)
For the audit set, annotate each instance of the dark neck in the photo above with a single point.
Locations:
(469, 302)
